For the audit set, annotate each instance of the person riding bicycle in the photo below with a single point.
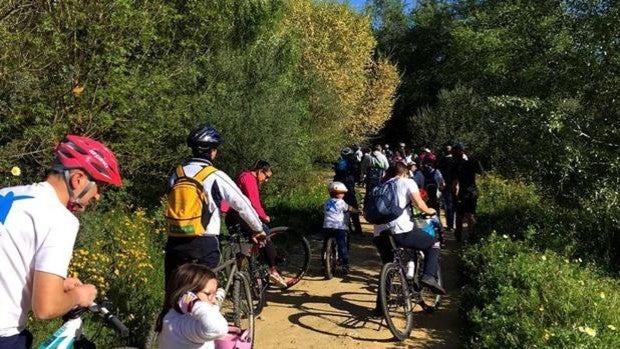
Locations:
(204, 141)
(249, 182)
(38, 229)
(405, 233)
(335, 220)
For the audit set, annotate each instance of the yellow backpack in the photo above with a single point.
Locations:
(187, 210)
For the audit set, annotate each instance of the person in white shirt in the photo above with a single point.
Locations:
(37, 232)
(204, 141)
(405, 234)
(191, 317)
(335, 221)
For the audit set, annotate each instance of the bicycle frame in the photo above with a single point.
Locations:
(400, 260)
(232, 264)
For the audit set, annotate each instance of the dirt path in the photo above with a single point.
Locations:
(337, 313)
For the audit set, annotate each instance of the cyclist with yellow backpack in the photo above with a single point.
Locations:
(196, 191)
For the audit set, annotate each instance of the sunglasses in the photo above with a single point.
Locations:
(267, 175)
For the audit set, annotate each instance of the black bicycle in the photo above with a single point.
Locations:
(332, 261)
(292, 259)
(401, 292)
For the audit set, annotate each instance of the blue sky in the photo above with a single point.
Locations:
(359, 4)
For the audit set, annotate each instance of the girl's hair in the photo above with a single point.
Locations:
(396, 169)
(186, 278)
(260, 165)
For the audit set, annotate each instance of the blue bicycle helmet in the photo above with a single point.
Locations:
(204, 137)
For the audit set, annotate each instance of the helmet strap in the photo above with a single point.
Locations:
(74, 201)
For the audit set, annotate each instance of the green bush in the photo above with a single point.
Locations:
(518, 297)
(121, 253)
(518, 210)
(301, 205)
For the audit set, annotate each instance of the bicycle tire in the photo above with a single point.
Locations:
(330, 258)
(292, 255)
(430, 300)
(242, 304)
(396, 301)
(259, 282)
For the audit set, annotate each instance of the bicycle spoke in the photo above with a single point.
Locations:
(292, 254)
(396, 301)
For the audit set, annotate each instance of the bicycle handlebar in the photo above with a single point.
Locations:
(111, 319)
(100, 309)
(425, 215)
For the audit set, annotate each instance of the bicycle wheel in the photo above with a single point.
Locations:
(242, 304)
(259, 282)
(396, 301)
(292, 254)
(330, 258)
(430, 300)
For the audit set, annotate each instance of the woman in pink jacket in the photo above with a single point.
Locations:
(249, 181)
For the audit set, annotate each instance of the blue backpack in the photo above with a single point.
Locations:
(381, 204)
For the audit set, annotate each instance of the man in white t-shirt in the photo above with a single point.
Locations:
(405, 233)
(37, 233)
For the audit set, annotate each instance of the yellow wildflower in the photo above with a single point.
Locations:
(16, 171)
(611, 327)
(602, 295)
(587, 330)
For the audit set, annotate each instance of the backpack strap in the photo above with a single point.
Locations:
(204, 173)
(179, 171)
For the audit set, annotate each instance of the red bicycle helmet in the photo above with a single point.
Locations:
(91, 156)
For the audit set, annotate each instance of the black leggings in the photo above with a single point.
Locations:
(270, 252)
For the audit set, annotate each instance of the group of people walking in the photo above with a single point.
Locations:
(445, 178)
(424, 181)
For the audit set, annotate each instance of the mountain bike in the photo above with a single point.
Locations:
(238, 309)
(71, 335)
(402, 296)
(292, 259)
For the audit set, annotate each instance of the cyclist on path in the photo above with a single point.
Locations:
(204, 141)
(249, 182)
(37, 233)
(405, 234)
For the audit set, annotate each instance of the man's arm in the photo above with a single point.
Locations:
(49, 299)
(239, 202)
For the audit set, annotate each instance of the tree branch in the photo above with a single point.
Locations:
(16, 8)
